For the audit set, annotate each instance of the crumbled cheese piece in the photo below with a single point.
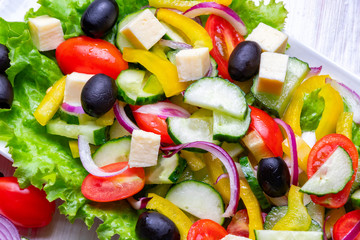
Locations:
(73, 87)
(144, 30)
(272, 73)
(192, 64)
(269, 39)
(234, 237)
(46, 32)
(144, 149)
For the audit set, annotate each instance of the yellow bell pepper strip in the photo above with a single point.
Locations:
(159, 50)
(164, 70)
(344, 124)
(333, 106)
(167, 208)
(107, 119)
(214, 167)
(195, 162)
(74, 148)
(183, 5)
(296, 218)
(253, 208)
(303, 151)
(51, 102)
(197, 35)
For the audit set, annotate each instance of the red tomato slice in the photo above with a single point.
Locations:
(267, 128)
(345, 224)
(239, 225)
(152, 123)
(206, 229)
(224, 38)
(92, 56)
(318, 156)
(114, 188)
(26, 207)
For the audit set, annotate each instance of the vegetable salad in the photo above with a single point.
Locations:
(172, 126)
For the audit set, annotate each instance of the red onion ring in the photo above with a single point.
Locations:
(8, 231)
(207, 8)
(164, 110)
(174, 45)
(226, 160)
(293, 150)
(122, 118)
(351, 235)
(324, 225)
(137, 205)
(314, 71)
(88, 162)
(224, 175)
(73, 109)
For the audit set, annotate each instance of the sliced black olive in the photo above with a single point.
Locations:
(4, 58)
(6, 92)
(273, 176)
(99, 18)
(98, 95)
(244, 61)
(155, 226)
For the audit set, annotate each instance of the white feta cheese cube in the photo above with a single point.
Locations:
(73, 87)
(192, 64)
(144, 149)
(46, 32)
(269, 38)
(272, 72)
(144, 30)
(234, 237)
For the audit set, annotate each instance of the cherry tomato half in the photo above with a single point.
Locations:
(152, 123)
(108, 189)
(26, 207)
(239, 225)
(318, 156)
(345, 224)
(267, 128)
(91, 56)
(224, 38)
(206, 229)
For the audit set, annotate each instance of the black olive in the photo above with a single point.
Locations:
(98, 95)
(273, 176)
(244, 61)
(6, 92)
(99, 17)
(1, 174)
(155, 226)
(4, 58)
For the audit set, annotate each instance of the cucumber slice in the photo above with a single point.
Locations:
(355, 199)
(172, 34)
(253, 182)
(217, 94)
(116, 150)
(199, 199)
(117, 131)
(136, 89)
(296, 72)
(356, 183)
(233, 149)
(121, 40)
(230, 129)
(332, 176)
(168, 170)
(74, 118)
(287, 235)
(93, 133)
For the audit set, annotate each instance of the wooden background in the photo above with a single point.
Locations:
(330, 27)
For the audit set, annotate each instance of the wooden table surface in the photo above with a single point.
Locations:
(331, 28)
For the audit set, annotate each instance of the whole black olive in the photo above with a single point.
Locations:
(6, 92)
(99, 17)
(1, 174)
(98, 95)
(273, 176)
(155, 226)
(4, 58)
(244, 61)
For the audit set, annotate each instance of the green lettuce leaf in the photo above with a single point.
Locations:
(272, 14)
(312, 111)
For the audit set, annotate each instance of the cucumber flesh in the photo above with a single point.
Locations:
(93, 133)
(355, 199)
(74, 118)
(230, 129)
(233, 149)
(287, 235)
(219, 95)
(249, 174)
(172, 34)
(167, 171)
(113, 151)
(296, 73)
(199, 199)
(117, 131)
(332, 176)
